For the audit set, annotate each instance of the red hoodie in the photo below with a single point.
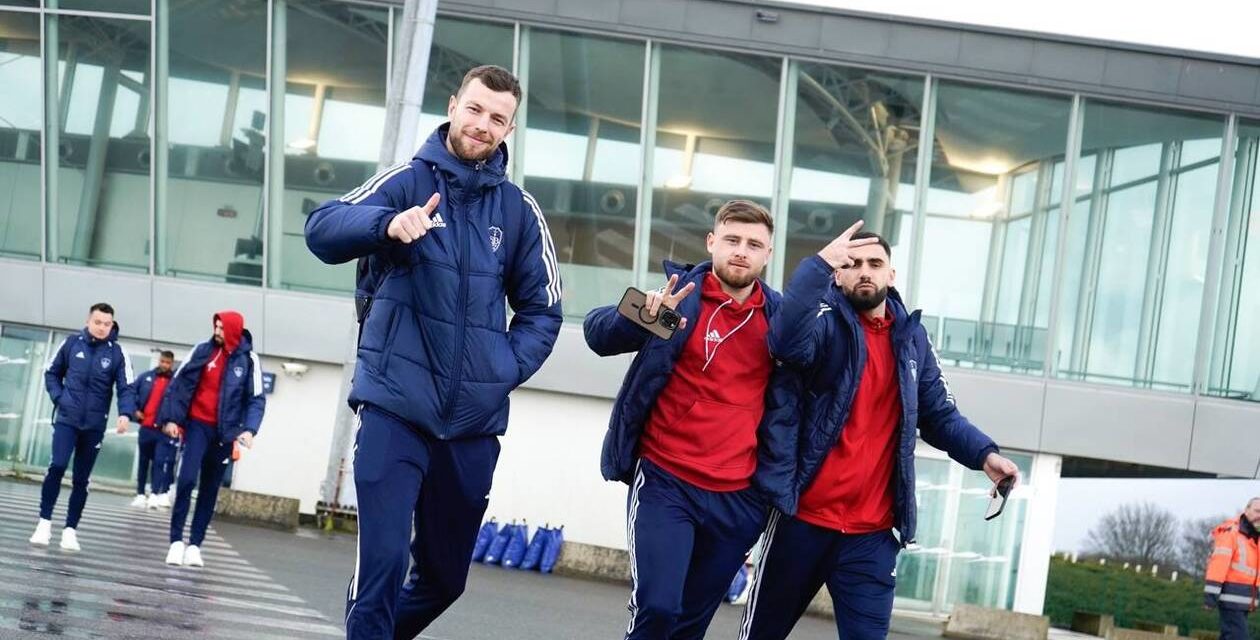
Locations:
(853, 491)
(703, 428)
(205, 402)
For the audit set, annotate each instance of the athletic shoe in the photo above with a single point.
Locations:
(43, 533)
(163, 501)
(176, 554)
(192, 557)
(69, 540)
(139, 501)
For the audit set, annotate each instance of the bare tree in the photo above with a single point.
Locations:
(1141, 533)
(1194, 545)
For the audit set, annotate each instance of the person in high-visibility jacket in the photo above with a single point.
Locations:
(1233, 571)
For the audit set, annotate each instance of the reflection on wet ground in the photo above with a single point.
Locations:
(118, 586)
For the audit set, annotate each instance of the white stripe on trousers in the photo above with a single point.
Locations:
(631, 518)
(358, 536)
(745, 626)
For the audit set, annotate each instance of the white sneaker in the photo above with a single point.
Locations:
(152, 502)
(139, 501)
(69, 540)
(43, 533)
(176, 554)
(192, 557)
(164, 501)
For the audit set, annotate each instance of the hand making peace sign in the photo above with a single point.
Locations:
(668, 297)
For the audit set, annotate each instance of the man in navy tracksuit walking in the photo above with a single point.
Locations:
(156, 449)
(686, 429)
(870, 380)
(81, 378)
(436, 357)
(216, 400)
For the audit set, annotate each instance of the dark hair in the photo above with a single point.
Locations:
(744, 211)
(862, 235)
(495, 78)
(103, 307)
(167, 354)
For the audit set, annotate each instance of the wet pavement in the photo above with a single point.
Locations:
(118, 586)
(267, 584)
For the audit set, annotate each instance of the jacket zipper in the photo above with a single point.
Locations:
(458, 365)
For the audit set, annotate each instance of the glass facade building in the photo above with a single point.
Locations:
(1045, 234)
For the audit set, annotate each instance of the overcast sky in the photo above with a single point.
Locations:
(1083, 501)
(1220, 26)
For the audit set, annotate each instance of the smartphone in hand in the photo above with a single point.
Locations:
(633, 307)
(998, 501)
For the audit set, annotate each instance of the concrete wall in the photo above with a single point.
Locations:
(291, 452)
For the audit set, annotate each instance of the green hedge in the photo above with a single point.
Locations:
(1127, 596)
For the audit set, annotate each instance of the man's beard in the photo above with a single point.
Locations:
(463, 153)
(866, 301)
(733, 281)
(218, 340)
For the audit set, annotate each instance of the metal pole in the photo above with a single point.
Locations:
(399, 142)
(406, 93)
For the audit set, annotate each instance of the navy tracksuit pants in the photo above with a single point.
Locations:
(799, 558)
(205, 461)
(157, 453)
(85, 445)
(1234, 624)
(686, 544)
(404, 480)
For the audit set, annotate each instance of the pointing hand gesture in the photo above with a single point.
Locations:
(668, 297)
(414, 223)
(839, 252)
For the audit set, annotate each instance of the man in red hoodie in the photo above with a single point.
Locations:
(690, 413)
(216, 399)
(156, 449)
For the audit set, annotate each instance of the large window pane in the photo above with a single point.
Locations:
(20, 125)
(984, 560)
(856, 138)
(98, 177)
(1138, 241)
(715, 135)
(211, 222)
(460, 45)
(334, 114)
(918, 567)
(582, 157)
(23, 354)
(991, 224)
(1235, 364)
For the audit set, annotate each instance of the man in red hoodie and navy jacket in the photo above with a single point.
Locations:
(156, 449)
(686, 430)
(216, 399)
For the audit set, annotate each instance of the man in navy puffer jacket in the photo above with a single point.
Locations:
(449, 239)
(871, 384)
(81, 379)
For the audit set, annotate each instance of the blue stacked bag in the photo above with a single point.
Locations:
(515, 551)
(533, 553)
(494, 554)
(738, 584)
(551, 553)
(485, 536)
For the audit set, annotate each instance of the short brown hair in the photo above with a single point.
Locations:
(744, 211)
(495, 78)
